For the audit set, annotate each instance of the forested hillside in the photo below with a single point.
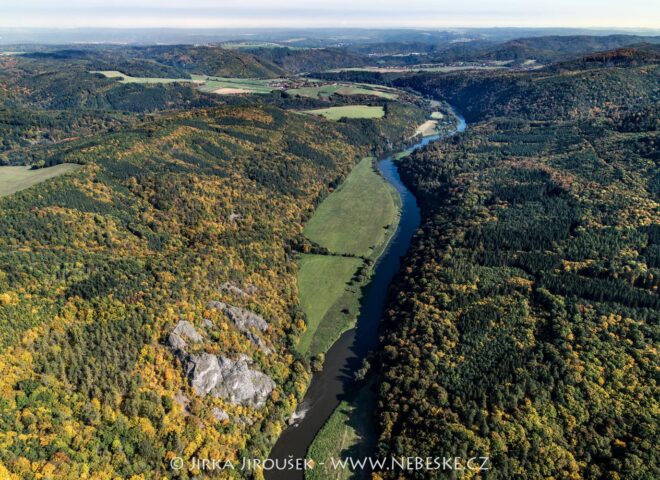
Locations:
(583, 87)
(296, 60)
(543, 49)
(47, 84)
(524, 323)
(164, 221)
(45, 101)
(162, 60)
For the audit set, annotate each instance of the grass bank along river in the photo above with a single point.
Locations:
(354, 224)
(335, 382)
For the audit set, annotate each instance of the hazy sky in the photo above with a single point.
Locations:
(329, 13)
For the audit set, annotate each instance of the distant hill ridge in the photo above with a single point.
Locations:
(549, 93)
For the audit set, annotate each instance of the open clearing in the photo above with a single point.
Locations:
(322, 281)
(352, 220)
(324, 91)
(14, 179)
(349, 111)
(230, 86)
(420, 68)
(427, 128)
(209, 84)
(355, 218)
(128, 79)
(231, 91)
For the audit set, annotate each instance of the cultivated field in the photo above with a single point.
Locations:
(427, 128)
(349, 111)
(14, 179)
(226, 86)
(128, 79)
(322, 281)
(325, 91)
(219, 85)
(353, 220)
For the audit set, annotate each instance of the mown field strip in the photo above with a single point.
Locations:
(349, 111)
(15, 179)
(354, 223)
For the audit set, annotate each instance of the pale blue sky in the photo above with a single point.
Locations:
(329, 13)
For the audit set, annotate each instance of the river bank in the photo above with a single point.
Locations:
(336, 381)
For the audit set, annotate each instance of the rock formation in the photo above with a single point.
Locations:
(246, 322)
(217, 375)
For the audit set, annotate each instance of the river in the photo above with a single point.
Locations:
(336, 380)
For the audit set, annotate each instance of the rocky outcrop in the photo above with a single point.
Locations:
(232, 380)
(235, 290)
(247, 322)
(244, 319)
(183, 331)
(217, 375)
(220, 415)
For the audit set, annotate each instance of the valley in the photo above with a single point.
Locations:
(280, 246)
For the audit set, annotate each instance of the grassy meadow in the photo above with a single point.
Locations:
(324, 91)
(349, 432)
(349, 111)
(209, 84)
(128, 79)
(322, 282)
(14, 179)
(357, 220)
(223, 85)
(354, 219)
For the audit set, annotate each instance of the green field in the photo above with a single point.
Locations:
(322, 282)
(14, 179)
(349, 432)
(252, 85)
(325, 91)
(349, 111)
(353, 220)
(128, 79)
(207, 83)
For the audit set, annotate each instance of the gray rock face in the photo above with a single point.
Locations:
(231, 380)
(220, 415)
(244, 319)
(246, 322)
(242, 385)
(217, 375)
(233, 289)
(183, 331)
(204, 372)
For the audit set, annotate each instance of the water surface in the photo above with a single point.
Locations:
(336, 381)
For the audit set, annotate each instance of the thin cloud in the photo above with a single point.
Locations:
(356, 13)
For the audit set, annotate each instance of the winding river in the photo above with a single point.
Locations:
(336, 380)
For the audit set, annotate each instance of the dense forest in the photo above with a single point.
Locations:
(545, 49)
(586, 86)
(524, 323)
(168, 213)
(522, 326)
(295, 60)
(52, 98)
